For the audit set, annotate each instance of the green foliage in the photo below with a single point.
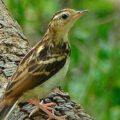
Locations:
(94, 75)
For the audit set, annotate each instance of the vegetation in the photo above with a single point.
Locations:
(93, 79)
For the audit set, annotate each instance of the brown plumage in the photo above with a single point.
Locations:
(36, 72)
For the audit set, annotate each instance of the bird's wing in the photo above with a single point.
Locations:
(36, 67)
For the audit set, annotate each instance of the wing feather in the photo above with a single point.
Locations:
(34, 71)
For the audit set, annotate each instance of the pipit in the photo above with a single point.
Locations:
(45, 65)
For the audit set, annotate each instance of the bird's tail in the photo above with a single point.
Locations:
(4, 109)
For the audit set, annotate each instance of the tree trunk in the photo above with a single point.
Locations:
(13, 46)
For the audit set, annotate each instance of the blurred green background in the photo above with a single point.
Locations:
(93, 79)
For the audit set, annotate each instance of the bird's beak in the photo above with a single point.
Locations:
(80, 13)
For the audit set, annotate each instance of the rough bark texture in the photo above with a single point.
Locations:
(13, 46)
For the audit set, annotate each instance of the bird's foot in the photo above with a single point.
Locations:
(47, 108)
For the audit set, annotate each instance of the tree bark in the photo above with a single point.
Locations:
(13, 46)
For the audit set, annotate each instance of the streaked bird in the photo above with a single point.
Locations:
(45, 65)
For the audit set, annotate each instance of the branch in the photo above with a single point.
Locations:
(13, 46)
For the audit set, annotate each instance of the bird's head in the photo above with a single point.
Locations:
(63, 20)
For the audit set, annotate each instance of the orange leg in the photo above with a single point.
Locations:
(46, 108)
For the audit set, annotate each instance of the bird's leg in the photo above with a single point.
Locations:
(36, 103)
(46, 108)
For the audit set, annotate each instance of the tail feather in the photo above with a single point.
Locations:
(4, 109)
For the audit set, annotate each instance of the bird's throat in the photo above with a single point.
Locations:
(55, 36)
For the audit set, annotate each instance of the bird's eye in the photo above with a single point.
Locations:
(64, 16)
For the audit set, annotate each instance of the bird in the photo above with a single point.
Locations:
(44, 66)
